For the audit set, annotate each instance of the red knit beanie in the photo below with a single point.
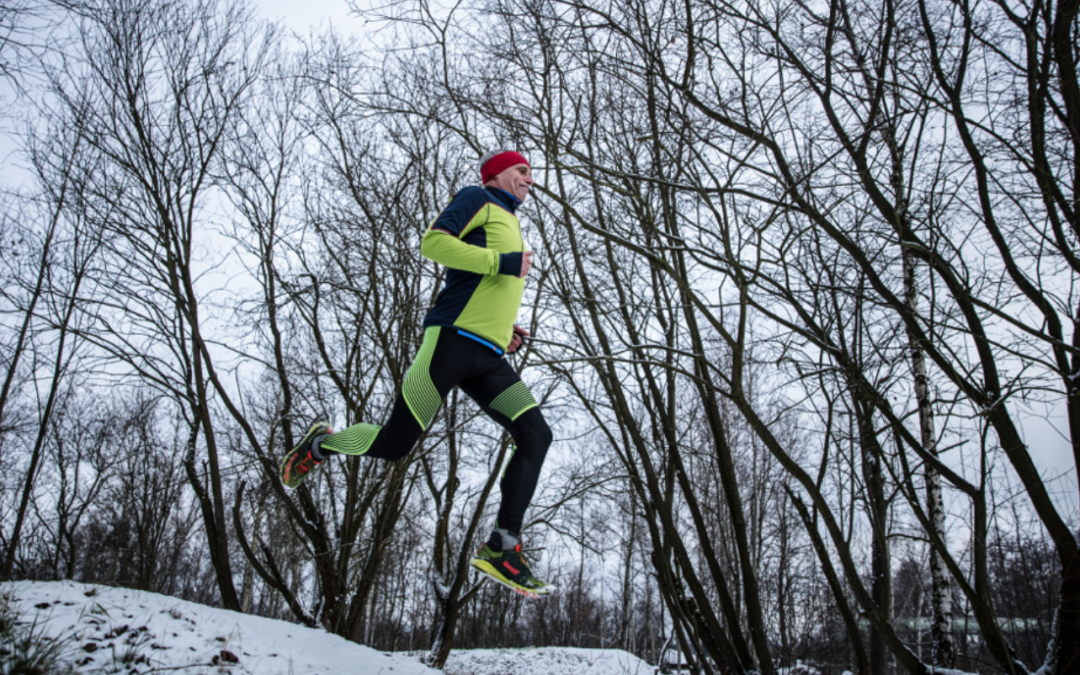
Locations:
(499, 163)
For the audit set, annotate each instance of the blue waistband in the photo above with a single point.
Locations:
(486, 343)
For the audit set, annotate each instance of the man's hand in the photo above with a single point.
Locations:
(526, 263)
(519, 335)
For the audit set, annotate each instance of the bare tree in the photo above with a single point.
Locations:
(153, 88)
(719, 146)
(47, 301)
(83, 447)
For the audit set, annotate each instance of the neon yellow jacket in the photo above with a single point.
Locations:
(478, 237)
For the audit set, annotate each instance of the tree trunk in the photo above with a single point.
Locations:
(1067, 659)
(878, 507)
(943, 652)
(59, 368)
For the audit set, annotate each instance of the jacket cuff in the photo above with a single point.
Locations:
(510, 263)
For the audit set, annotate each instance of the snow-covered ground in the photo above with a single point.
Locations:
(546, 661)
(120, 630)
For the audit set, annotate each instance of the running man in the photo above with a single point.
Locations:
(466, 334)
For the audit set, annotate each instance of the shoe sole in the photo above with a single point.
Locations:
(489, 571)
(307, 438)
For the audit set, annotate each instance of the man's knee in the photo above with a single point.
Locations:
(398, 435)
(533, 433)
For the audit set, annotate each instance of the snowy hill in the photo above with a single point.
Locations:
(106, 630)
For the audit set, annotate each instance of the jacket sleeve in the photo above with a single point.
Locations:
(442, 242)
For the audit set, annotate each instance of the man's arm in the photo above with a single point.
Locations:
(446, 249)
(442, 242)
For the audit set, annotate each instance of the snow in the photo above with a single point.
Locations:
(546, 661)
(123, 630)
(157, 631)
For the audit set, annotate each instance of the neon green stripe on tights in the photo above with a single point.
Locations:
(419, 391)
(356, 440)
(514, 401)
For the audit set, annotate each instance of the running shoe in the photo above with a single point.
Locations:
(509, 568)
(298, 462)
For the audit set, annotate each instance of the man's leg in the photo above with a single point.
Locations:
(507, 400)
(433, 373)
(391, 441)
(532, 437)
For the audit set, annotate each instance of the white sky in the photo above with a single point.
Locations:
(1046, 431)
(300, 15)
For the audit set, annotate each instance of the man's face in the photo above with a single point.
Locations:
(516, 180)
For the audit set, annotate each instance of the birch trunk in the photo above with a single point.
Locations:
(942, 648)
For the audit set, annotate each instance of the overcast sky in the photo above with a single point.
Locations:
(1046, 431)
(300, 15)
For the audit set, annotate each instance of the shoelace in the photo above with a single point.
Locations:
(530, 577)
